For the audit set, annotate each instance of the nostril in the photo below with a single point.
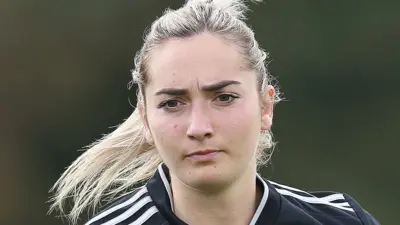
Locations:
(191, 137)
(208, 135)
(200, 136)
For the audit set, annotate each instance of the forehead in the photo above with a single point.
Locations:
(205, 58)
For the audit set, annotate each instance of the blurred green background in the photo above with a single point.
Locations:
(65, 66)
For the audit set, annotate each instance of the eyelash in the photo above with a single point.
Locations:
(233, 97)
(163, 104)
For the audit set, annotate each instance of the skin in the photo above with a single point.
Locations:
(200, 97)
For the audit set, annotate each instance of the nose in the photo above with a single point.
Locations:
(200, 126)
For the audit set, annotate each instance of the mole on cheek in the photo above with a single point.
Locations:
(175, 126)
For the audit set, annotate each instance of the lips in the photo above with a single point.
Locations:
(203, 152)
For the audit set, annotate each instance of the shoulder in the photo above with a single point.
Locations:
(326, 207)
(135, 206)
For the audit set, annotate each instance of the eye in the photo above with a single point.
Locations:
(170, 104)
(226, 98)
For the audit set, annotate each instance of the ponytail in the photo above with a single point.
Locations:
(109, 167)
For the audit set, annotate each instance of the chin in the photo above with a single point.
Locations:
(208, 178)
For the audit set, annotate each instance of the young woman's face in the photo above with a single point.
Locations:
(203, 110)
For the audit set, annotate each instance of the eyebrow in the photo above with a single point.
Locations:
(207, 88)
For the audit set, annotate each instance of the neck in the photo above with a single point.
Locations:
(232, 205)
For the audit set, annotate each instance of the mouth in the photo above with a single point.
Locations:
(206, 154)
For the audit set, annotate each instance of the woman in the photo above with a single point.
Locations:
(197, 136)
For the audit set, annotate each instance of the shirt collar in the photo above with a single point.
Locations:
(160, 191)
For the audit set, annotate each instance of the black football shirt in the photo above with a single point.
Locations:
(280, 205)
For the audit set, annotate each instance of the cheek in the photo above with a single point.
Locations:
(244, 115)
(166, 131)
(243, 124)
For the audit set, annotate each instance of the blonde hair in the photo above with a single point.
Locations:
(123, 158)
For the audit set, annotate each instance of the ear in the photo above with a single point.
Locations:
(267, 107)
(143, 116)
